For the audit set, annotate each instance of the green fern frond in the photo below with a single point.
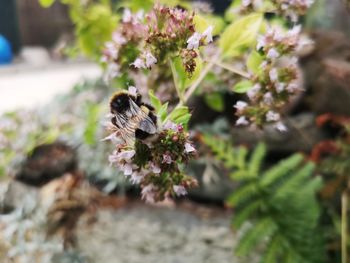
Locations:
(280, 204)
(280, 170)
(255, 234)
(244, 193)
(256, 159)
(246, 212)
(295, 181)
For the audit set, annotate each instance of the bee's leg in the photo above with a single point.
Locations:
(138, 100)
(141, 135)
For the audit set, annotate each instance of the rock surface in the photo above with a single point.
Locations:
(145, 234)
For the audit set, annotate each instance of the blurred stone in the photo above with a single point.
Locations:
(47, 162)
(327, 74)
(213, 184)
(13, 194)
(35, 56)
(302, 135)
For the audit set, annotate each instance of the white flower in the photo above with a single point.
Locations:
(136, 178)
(126, 168)
(242, 121)
(111, 50)
(150, 59)
(148, 193)
(272, 116)
(167, 159)
(193, 41)
(240, 105)
(127, 16)
(155, 168)
(292, 87)
(246, 3)
(273, 53)
(261, 42)
(139, 63)
(268, 99)
(280, 87)
(273, 74)
(208, 34)
(118, 38)
(126, 155)
(169, 125)
(189, 148)
(251, 93)
(295, 31)
(132, 90)
(179, 190)
(281, 127)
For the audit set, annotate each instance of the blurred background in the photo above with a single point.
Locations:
(52, 102)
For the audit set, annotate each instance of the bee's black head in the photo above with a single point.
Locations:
(120, 103)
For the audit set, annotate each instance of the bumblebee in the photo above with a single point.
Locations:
(131, 117)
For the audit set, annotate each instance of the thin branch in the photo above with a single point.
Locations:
(232, 69)
(173, 70)
(198, 81)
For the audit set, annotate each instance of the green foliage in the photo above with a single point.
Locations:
(242, 86)
(215, 101)
(241, 33)
(254, 61)
(280, 204)
(94, 23)
(46, 3)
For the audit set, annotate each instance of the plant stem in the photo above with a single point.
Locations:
(232, 69)
(344, 226)
(204, 72)
(173, 71)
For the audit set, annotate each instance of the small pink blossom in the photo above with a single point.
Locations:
(272, 53)
(281, 127)
(169, 125)
(193, 41)
(208, 34)
(167, 159)
(272, 116)
(179, 190)
(126, 155)
(189, 148)
(280, 87)
(155, 168)
(242, 121)
(148, 193)
(136, 178)
(273, 74)
(139, 63)
(126, 169)
(268, 99)
(132, 90)
(150, 59)
(251, 93)
(240, 105)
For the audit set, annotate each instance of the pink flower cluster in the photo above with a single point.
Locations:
(154, 164)
(276, 80)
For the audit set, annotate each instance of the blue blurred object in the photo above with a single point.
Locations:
(5, 51)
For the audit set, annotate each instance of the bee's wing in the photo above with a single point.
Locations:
(148, 125)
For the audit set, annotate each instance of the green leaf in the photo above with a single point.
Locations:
(92, 114)
(162, 112)
(242, 86)
(215, 101)
(263, 229)
(239, 34)
(242, 194)
(180, 115)
(181, 78)
(254, 61)
(156, 103)
(200, 23)
(246, 213)
(46, 3)
(256, 159)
